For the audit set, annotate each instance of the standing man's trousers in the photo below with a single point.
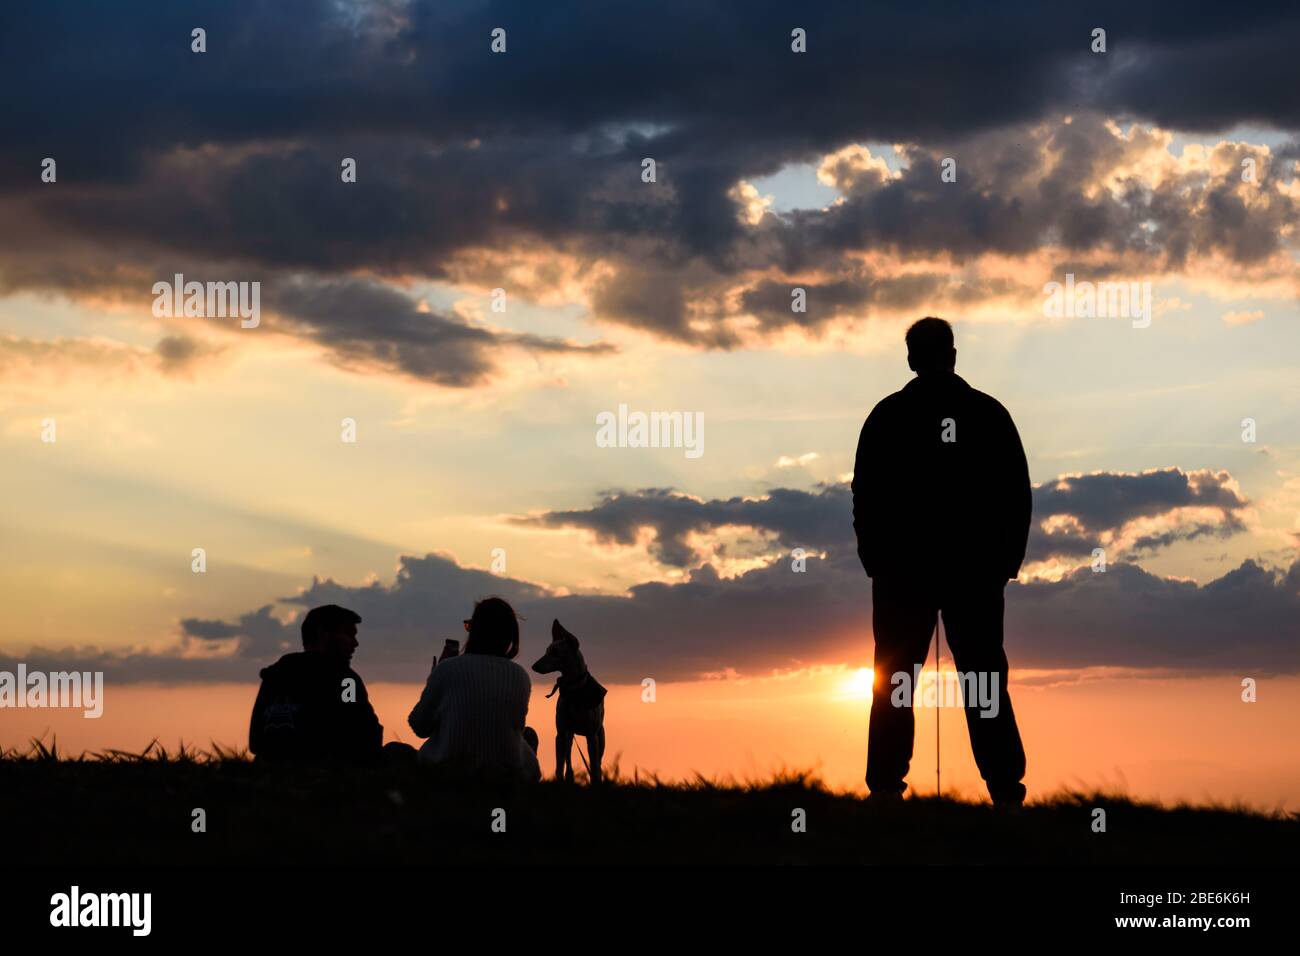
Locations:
(903, 617)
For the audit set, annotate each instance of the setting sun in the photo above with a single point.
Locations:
(857, 686)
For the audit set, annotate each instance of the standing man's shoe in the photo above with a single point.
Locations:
(885, 798)
(1010, 796)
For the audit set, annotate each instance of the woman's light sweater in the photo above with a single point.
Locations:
(472, 710)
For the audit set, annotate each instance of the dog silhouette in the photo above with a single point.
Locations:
(580, 710)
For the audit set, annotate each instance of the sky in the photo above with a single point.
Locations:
(500, 273)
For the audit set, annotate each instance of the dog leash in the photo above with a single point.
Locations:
(586, 766)
(581, 680)
(938, 711)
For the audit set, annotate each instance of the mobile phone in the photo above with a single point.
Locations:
(451, 648)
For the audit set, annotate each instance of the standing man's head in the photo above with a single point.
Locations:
(930, 347)
(331, 631)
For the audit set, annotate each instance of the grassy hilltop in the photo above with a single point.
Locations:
(117, 808)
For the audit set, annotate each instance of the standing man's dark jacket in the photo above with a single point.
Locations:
(942, 510)
(305, 712)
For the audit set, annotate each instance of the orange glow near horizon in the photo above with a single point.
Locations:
(1119, 733)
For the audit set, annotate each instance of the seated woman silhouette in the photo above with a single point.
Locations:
(474, 704)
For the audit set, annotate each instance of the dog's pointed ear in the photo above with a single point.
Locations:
(558, 633)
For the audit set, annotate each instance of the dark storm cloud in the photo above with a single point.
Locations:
(719, 74)
(283, 205)
(1221, 69)
(232, 156)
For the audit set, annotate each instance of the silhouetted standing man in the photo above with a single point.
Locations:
(941, 507)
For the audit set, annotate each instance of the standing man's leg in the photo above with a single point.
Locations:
(903, 619)
(972, 618)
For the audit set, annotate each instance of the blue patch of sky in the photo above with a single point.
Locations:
(796, 186)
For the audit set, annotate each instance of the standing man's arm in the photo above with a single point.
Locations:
(866, 493)
(1020, 500)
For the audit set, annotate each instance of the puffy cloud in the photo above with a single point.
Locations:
(1136, 512)
(816, 519)
(766, 619)
(770, 617)
(1072, 515)
(1242, 623)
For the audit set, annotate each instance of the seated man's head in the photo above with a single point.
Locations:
(331, 631)
(930, 347)
(493, 629)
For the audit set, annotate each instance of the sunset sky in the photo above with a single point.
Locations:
(475, 428)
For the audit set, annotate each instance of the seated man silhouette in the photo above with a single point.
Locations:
(941, 507)
(312, 705)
